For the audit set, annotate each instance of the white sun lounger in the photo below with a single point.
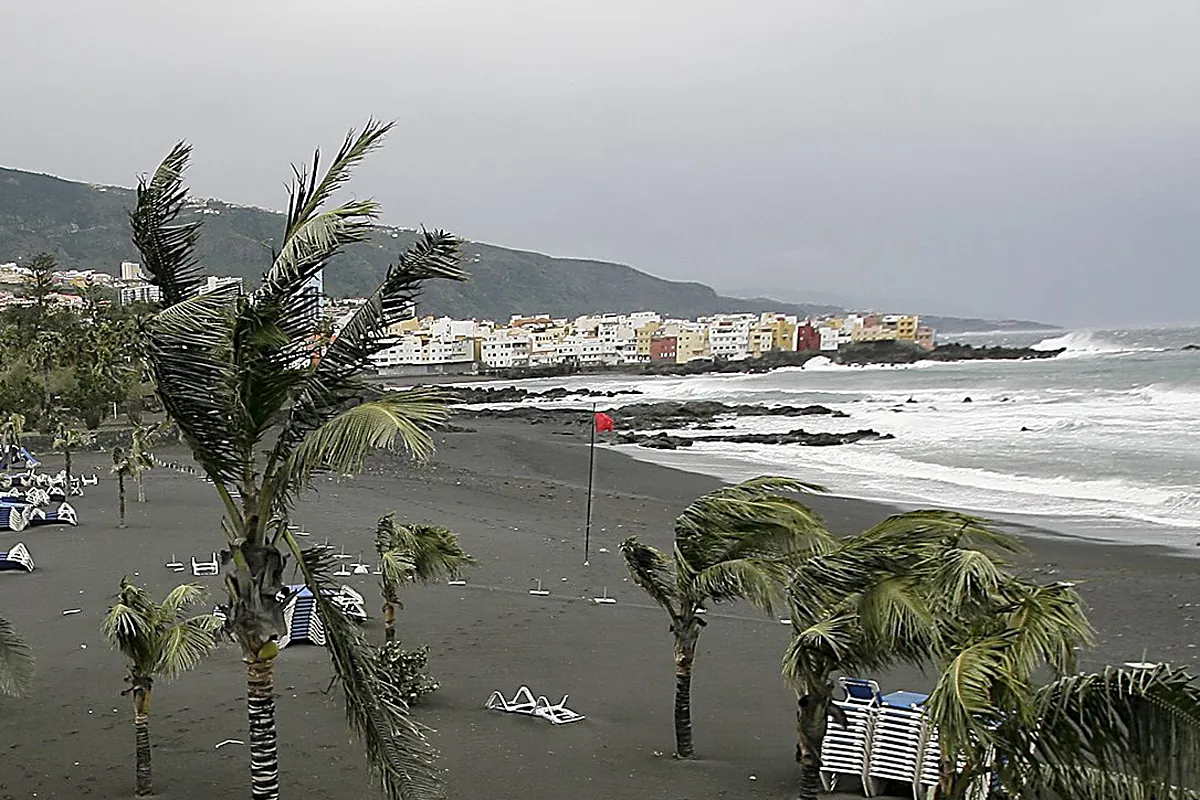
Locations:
(15, 558)
(523, 702)
(558, 714)
(203, 568)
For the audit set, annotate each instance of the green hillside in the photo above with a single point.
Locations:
(86, 226)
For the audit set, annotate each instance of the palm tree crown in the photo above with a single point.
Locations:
(414, 552)
(16, 662)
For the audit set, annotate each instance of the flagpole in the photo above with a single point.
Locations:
(587, 528)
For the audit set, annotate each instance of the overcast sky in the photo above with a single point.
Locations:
(1037, 159)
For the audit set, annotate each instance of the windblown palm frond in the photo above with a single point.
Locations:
(431, 552)
(1119, 733)
(398, 751)
(157, 638)
(1051, 625)
(16, 661)
(342, 444)
(653, 572)
(977, 690)
(186, 643)
(751, 506)
(758, 580)
(167, 248)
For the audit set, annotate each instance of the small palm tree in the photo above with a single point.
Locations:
(67, 440)
(144, 437)
(16, 662)
(264, 406)
(123, 466)
(158, 640)
(865, 606)
(417, 552)
(732, 544)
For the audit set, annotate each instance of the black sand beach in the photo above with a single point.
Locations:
(515, 493)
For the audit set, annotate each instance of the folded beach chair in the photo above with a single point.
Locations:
(63, 515)
(14, 518)
(205, 568)
(558, 714)
(844, 750)
(16, 557)
(350, 602)
(523, 702)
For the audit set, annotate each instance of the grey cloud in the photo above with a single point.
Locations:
(1018, 158)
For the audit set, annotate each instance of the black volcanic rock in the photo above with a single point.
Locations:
(668, 414)
(515, 394)
(664, 441)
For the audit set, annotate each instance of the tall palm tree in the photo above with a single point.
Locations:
(123, 466)
(67, 440)
(263, 407)
(864, 606)
(414, 552)
(16, 662)
(159, 640)
(732, 544)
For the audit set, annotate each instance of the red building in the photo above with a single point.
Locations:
(808, 338)
(662, 348)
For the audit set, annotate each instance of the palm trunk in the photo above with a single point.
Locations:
(685, 654)
(67, 459)
(264, 751)
(389, 621)
(121, 499)
(141, 494)
(812, 719)
(141, 729)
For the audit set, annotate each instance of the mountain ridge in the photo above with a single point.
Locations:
(85, 225)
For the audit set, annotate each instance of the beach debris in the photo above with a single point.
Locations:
(604, 599)
(539, 590)
(784, 621)
(83, 647)
(69, 611)
(458, 582)
(228, 741)
(603, 550)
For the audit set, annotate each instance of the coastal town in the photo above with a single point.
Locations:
(424, 344)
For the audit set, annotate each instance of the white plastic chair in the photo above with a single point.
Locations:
(558, 713)
(522, 702)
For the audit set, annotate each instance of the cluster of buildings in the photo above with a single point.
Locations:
(419, 345)
(424, 345)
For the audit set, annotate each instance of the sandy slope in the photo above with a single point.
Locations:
(514, 492)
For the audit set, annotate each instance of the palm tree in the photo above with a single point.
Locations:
(16, 662)
(865, 606)
(158, 640)
(417, 552)
(68, 439)
(732, 544)
(263, 407)
(143, 438)
(11, 430)
(123, 466)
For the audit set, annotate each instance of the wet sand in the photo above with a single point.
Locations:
(516, 495)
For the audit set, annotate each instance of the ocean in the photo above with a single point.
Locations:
(1102, 441)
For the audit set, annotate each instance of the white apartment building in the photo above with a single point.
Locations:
(729, 335)
(447, 328)
(503, 349)
(140, 293)
(830, 338)
(131, 271)
(413, 348)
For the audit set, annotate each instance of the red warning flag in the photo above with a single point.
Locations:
(604, 422)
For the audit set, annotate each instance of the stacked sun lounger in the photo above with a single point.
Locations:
(16, 557)
(301, 619)
(887, 738)
(14, 517)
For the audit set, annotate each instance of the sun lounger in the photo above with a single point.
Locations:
(350, 602)
(16, 558)
(301, 619)
(523, 702)
(897, 738)
(844, 750)
(14, 518)
(558, 714)
(205, 568)
(63, 515)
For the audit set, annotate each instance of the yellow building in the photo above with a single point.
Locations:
(411, 325)
(691, 344)
(874, 333)
(906, 329)
(644, 335)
